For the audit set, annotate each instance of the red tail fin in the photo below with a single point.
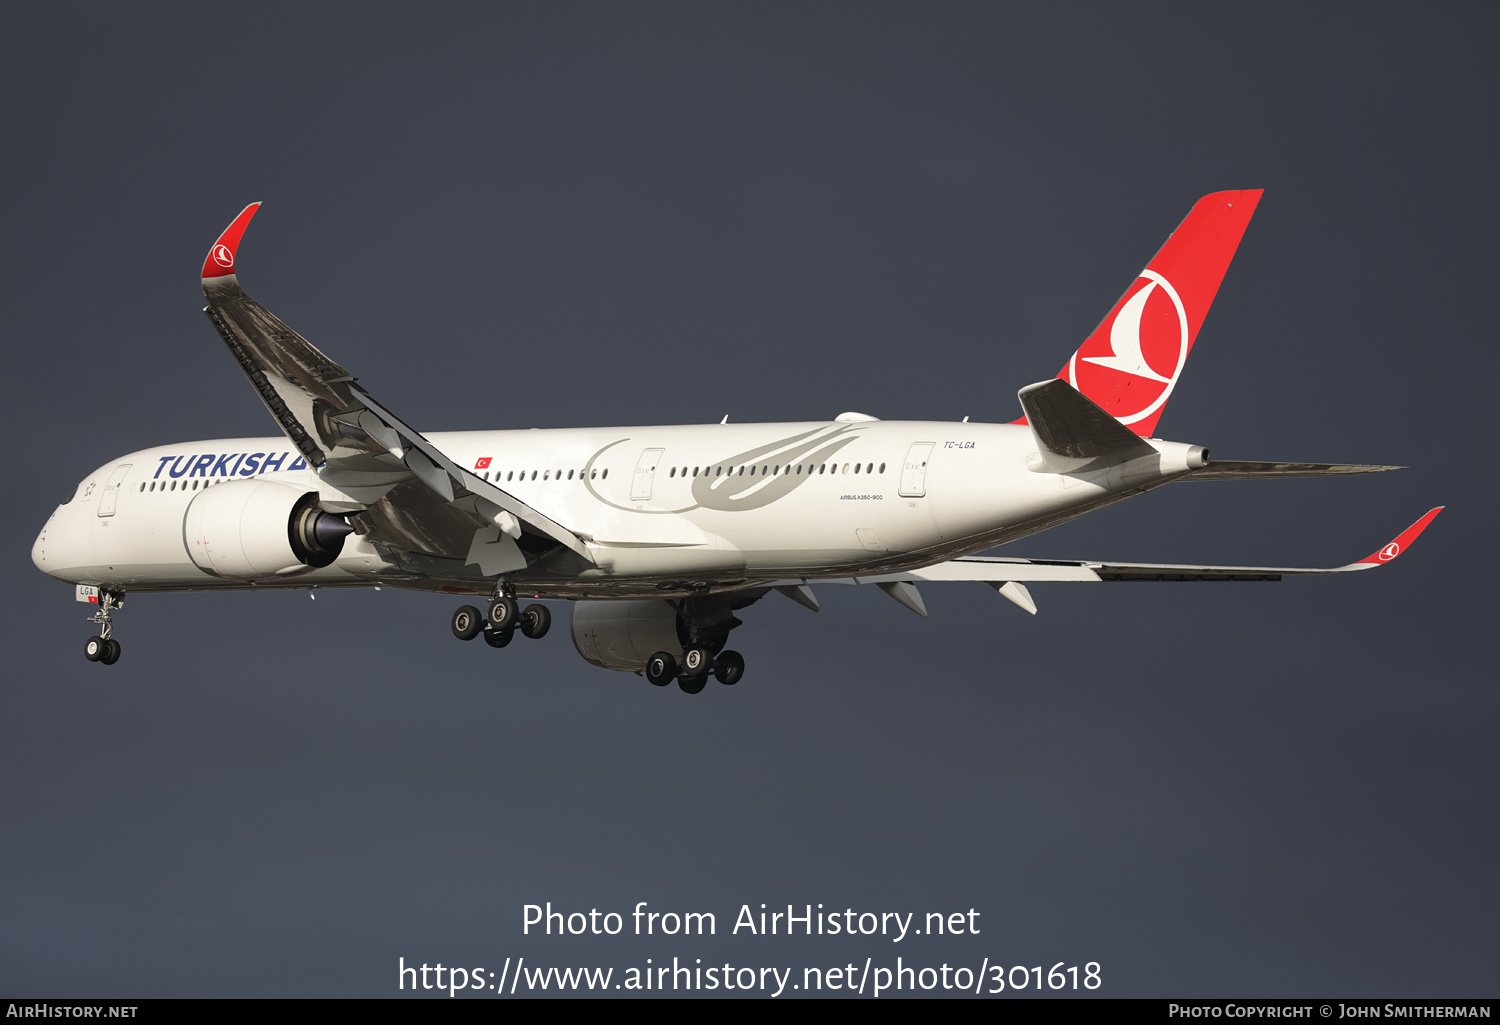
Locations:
(1132, 361)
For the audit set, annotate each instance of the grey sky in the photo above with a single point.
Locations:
(558, 215)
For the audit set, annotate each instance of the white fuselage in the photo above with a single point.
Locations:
(657, 506)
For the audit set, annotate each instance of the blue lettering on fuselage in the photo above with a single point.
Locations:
(228, 465)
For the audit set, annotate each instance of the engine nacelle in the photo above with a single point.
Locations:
(259, 529)
(622, 635)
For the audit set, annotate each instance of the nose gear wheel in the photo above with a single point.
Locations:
(103, 648)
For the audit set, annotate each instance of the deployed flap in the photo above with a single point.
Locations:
(357, 445)
(494, 552)
(1230, 470)
(1067, 423)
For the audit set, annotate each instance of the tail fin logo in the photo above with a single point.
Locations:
(223, 256)
(1389, 552)
(1145, 339)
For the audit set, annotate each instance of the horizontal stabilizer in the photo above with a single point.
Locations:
(1221, 469)
(1068, 424)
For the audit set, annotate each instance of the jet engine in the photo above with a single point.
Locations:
(255, 529)
(623, 635)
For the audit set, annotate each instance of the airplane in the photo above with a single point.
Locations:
(657, 536)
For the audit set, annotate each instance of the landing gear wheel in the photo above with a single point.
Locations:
(498, 638)
(94, 648)
(535, 621)
(467, 622)
(503, 613)
(111, 652)
(729, 668)
(692, 684)
(661, 668)
(696, 661)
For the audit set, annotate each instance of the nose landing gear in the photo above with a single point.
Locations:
(103, 648)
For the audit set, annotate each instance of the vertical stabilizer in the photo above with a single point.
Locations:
(1133, 359)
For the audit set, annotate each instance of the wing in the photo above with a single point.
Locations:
(1009, 576)
(416, 497)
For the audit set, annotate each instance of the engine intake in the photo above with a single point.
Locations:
(258, 529)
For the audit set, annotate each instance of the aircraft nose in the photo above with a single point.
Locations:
(39, 549)
(48, 552)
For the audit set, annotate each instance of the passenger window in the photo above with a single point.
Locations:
(856, 467)
(606, 473)
(846, 467)
(882, 467)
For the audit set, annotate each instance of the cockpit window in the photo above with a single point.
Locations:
(69, 496)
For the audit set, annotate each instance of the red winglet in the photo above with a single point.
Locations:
(1399, 545)
(220, 260)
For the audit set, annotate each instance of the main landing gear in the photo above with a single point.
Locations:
(703, 626)
(697, 663)
(505, 618)
(103, 648)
